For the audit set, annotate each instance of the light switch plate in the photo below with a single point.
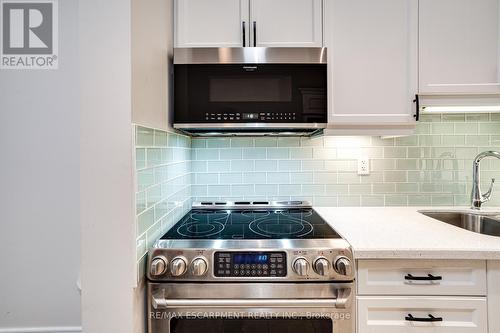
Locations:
(363, 166)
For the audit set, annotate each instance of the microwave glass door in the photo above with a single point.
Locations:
(286, 93)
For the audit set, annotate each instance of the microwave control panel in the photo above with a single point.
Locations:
(251, 117)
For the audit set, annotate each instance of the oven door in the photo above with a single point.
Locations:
(250, 307)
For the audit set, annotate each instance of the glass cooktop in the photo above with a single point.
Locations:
(251, 224)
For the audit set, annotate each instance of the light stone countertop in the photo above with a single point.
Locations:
(404, 233)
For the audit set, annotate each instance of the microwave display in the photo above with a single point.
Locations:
(250, 116)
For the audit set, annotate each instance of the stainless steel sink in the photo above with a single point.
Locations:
(483, 223)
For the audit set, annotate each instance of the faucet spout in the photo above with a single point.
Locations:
(478, 198)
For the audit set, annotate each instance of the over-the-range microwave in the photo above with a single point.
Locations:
(250, 91)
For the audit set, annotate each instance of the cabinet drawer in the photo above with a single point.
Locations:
(392, 314)
(422, 277)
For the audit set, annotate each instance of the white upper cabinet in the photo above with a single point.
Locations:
(214, 23)
(286, 23)
(237, 23)
(459, 46)
(151, 46)
(372, 54)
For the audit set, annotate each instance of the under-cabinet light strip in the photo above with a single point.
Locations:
(460, 109)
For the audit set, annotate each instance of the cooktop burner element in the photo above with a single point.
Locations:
(288, 224)
(293, 223)
(202, 225)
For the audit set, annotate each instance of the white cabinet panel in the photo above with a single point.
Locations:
(287, 23)
(152, 51)
(493, 277)
(372, 54)
(230, 23)
(387, 314)
(387, 277)
(459, 46)
(215, 23)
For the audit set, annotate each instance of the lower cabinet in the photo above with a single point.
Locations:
(424, 296)
(494, 296)
(422, 277)
(422, 314)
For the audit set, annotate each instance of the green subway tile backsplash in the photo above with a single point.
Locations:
(432, 167)
(163, 193)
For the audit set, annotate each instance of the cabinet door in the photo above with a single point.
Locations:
(459, 42)
(151, 46)
(389, 314)
(493, 296)
(215, 23)
(372, 58)
(422, 277)
(286, 23)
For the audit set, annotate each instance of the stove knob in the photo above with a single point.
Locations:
(343, 266)
(321, 266)
(178, 266)
(199, 267)
(301, 266)
(158, 265)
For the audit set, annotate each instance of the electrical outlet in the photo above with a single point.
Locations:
(363, 166)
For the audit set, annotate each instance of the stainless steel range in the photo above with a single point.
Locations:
(249, 267)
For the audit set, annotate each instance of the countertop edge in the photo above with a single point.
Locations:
(460, 244)
(431, 254)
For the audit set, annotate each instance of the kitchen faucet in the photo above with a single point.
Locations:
(477, 197)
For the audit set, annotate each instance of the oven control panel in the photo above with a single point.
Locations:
(250, 264)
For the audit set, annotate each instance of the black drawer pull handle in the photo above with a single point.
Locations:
(429, 277)
(430, 319)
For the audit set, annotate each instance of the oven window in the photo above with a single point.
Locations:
(250, 89)
(188, 325)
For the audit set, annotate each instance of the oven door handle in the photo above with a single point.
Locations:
(341, 302)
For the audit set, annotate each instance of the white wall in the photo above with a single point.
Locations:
(39, 190)
(67, 154)
(106, 176)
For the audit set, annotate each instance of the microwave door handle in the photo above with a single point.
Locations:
(254, 33)
(243, 29)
